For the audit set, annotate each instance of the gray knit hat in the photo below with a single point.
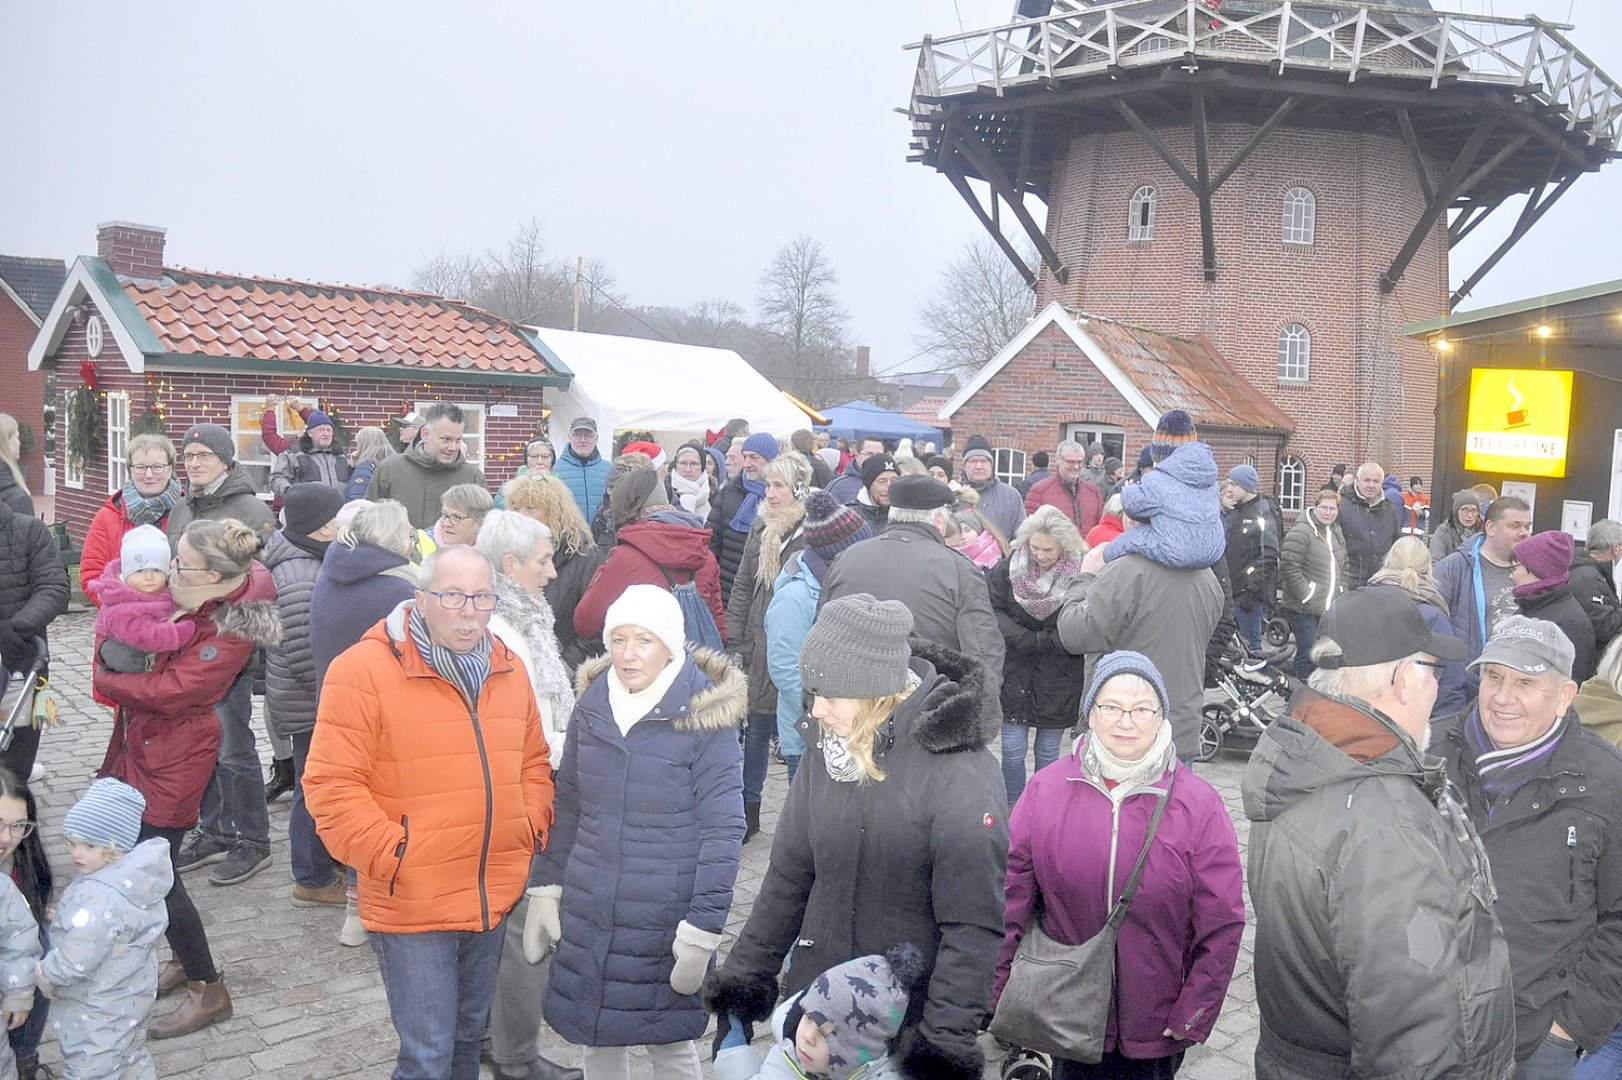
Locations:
(212, 437)
(857, 648)
(109, 814)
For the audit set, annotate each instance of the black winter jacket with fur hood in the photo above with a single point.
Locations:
(920, 856)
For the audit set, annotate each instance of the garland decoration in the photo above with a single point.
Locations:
(86, 428)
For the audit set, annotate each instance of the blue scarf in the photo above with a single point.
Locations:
(744, 519)
(149, 510)
(465, 671)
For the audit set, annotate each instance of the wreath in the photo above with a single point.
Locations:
(86, 428)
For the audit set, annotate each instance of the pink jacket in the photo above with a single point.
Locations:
(140, 620)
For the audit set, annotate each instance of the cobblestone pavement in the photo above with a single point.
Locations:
(309, 1008)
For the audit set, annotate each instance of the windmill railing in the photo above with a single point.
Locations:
(1528, 56)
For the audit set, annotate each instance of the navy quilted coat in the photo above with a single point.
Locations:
(648, 832)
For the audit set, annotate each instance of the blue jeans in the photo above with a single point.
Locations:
(313, 867)
(1014, 740)
(439, 985)
(234, 810)
(1252, 616)
(1305, 629)
(757, 748)
(1554, 1059)
(1603, 1064)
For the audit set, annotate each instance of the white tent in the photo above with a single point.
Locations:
(675, 391)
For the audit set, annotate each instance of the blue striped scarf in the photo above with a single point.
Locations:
(465, 671)
(1503, 772)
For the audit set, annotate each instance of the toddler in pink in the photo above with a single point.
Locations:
(136, 608)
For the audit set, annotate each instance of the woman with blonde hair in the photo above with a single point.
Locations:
(13, 487)
(372, 445)
(575, 555)
(1407, 566)
(893, 832)
(1041, 680)
(147, 499)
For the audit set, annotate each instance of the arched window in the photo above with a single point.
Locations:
(1300, 216)
(1292, 484)
(1294, 353)
(1142, 226)
(1154, 43)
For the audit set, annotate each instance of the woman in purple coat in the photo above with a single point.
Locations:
(1073, 838)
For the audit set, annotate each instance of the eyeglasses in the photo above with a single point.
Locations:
(150, 470)
(192, 456)
(1112, 714)
(453, 600)
(175, 567)
(19, 829)
(451, 517)
(1435, 665)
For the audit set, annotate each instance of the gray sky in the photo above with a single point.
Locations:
(682, 142)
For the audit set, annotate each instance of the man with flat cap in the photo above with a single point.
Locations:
(1546, 794)
(1377, 953)
(945, 592)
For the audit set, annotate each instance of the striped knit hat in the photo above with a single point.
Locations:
(1175, 428)
(829, 528)
(109, 814)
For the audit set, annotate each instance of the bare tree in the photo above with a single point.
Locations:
(808, 347)
(978, 304)
(517, 281)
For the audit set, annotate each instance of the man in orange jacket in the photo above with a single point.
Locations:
(428, 774)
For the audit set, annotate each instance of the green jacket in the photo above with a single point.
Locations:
(1312, 565)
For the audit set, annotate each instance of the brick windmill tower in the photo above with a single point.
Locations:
(1279, 181)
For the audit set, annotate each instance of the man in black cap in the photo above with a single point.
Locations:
(1376, 952)
(945, 592)
(1546, 794)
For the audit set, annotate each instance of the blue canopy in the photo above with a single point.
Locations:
(857, 418)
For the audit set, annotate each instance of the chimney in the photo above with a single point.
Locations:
(863, 358)
(131, 250)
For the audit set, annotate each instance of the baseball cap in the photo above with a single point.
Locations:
(1530, 645)
(1378, 624)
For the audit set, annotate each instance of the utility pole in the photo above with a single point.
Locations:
(579, 268)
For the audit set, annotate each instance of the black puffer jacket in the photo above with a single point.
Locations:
(727, 543)
(920, 856)
(1556, 850)
(33, 583)
(563, 593)
(1592, 586)
(291, 685)
(1041, 680)
(1370, 530)
(1559, 606)
(12, 494)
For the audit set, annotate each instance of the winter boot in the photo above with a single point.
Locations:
(171, 977)
(751, 820)
(354, 932)
(205, 1003)
(281, 779)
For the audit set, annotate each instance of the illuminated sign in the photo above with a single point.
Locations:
(1518, 422)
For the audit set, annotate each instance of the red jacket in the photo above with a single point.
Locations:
(1106, 530)
(640, 550)
(102, 539)
(1084, 508)
(165, 732)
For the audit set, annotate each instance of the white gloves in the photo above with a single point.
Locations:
(692, 949)
(543, 922)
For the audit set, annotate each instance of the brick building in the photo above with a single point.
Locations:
(1282, 182)
(165, 347)
(27, 287)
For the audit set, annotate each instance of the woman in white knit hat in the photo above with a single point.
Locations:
(645, 846)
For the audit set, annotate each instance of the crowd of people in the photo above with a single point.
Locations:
(526, 731)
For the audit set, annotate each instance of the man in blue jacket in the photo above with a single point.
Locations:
(583, 468)
(1477, 581)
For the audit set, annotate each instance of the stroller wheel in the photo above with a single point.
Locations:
(1213, 719)
(1276, 633)
(1027, 1065)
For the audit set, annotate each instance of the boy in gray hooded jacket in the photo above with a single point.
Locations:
(102, 968)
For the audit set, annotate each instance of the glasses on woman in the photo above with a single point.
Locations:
(452, 600)
(1113, 714)
(150, 470)
(176, 568)
(452, 518)
(18, 829)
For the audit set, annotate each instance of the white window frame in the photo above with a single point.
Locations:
(71, 477)
(1008, 464)
(1300, 217)
(1085, 433)
(1153, 43)
(473, 440)
(1294, 353)
(118, 440)
(254, 455)
(1141, 220)
(1292, 484)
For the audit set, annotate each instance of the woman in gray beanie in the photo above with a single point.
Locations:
(894, 830)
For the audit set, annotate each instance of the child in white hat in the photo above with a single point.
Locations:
(137, 612)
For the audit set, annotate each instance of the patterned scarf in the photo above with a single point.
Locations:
(465, 671)
(1504, 772)
(744, 519)
(533, 618)
(777, 531)
(1040, 592)
(149, 510)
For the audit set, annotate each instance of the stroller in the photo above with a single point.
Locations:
(1255, 690)
(25, 697)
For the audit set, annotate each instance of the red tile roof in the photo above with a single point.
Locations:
(1185, 373)
(198, 313)
(926, 411)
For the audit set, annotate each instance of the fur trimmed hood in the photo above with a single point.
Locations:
(950, 716)
(251, 613)
(721, 704)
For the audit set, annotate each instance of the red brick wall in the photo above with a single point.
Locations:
(1372, 391)
(24, 396)
(193, 397)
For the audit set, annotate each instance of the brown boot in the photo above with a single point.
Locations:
(171, 977)
(205, 1004)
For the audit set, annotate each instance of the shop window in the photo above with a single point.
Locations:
(252, 453)
(1300, 216)
(1008, 464)
(1294, 353)
(118, 440)
(472, 428)
(1292, 484)
(1142, 225)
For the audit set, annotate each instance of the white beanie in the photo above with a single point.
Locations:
(653, 609)
(143, 548)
